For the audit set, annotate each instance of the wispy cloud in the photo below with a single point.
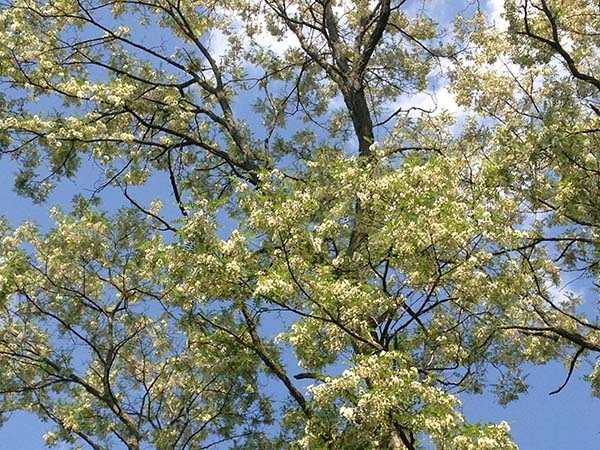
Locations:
(496, 10)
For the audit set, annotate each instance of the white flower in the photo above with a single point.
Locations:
(590, 159)
(50, 438)
(504, 426)
(347, 412)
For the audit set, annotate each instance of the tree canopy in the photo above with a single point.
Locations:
(280, 235)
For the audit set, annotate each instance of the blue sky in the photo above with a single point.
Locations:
(568, 420)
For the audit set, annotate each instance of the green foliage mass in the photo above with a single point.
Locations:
(309, 224)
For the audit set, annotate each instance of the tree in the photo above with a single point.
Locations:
(547, 114)
(367, 256)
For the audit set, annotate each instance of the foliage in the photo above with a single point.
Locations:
(331, 271)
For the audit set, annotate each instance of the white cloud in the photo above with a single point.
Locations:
(440, 100)
(433, 102)
(278, 45)
(218, 42)
(564, 294)
(496, 9)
